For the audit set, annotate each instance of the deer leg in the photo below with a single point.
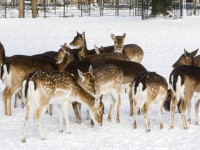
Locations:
(92, 123)
(79, 110)
(22, 98)
(159, 106)
(182, 108)
(16, 96)
(5, 99)
(50, 109)
(66, 108)
(112, 104)
(29, 111)
(145, 109)
(196, 111)
(75, 105)
(38, 113)
(135, 107)
(88, 115)
(118, 109)
(60, 113)
(189, 112)
(148, 115)
(174, 103)
(131, 100)
(10, 93)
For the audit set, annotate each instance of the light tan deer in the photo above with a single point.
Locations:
(189, 59)
(99, 50)
(17, 67)
(130, 71)
(61, 88)
(105, 80)
(185, 84)
(149, 87)
(133, 51)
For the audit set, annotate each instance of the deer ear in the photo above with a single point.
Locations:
(77, 32)
(96, 49)
(124, 35)
(102, 48)
(101, 97)
(83, 35)
(91, 69)
(80, 74)
(194, 53)
(112, 36)
(186, 54)
(97, 100)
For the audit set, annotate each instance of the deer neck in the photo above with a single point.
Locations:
(84, 51)
(85, 98)
(64, 63)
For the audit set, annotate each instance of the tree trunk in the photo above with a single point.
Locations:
(194, 7)
(34, 8)
(21, 8)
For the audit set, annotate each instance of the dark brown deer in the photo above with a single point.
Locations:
(54, 87)
(130, 71)
(149, 87)
(185, 84)
(17, 67)
(190, 60)
(105, 80)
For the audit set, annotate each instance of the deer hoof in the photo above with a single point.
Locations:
(196, 123)
(134, 126)
(161, 126)
(43, 139)
(171, 127)
(50, 114)
(46, 112)
(15, 106)
(189, 120)
(109, 119)
(78, 121)
(139, 113)
(23, 140)
(148, 130)
(61, 131)
(117, 120)
(68, 132)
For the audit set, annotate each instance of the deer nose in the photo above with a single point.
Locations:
(94, 92)
(120, 49)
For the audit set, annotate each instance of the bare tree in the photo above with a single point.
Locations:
(34, 8)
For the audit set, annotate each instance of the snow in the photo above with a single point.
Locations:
(163, 41)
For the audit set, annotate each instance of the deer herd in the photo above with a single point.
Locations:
(84, 77)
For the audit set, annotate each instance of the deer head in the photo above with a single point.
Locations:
(97, 116)
(79, 40)
(62, 53)
(99, 50)
(186, 59)
(118, 42)
(88, 80)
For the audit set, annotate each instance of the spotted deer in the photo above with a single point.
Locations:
(190, 60)
(185, 84)
(17, 67)
(105, 80)
(149, 88)
(130, 71)
(73, 68)
(61, 88)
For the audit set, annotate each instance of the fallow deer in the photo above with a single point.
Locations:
(17, 67)
(99, 50)
(54, 87)
(130, 71)
(185, 84)
(73, 68)
(105, 80)
(132, 51)
(190, 60)
(149, 87)
(117, 56)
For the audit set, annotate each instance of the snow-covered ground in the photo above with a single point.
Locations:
(163, 41)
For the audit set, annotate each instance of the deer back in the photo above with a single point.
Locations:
(130, 69)
(50, 55)
(2, 53)
(117, 56)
